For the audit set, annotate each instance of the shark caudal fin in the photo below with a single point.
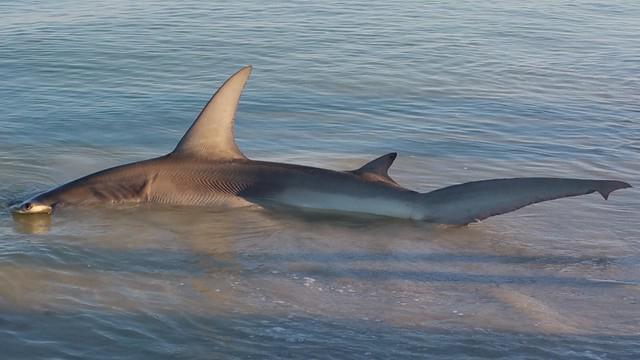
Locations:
(211, 136)
(474, 201)
(609, 186)
(377, 169)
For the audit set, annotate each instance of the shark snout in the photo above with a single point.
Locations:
(31, 207)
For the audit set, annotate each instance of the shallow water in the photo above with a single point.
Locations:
(463, 91)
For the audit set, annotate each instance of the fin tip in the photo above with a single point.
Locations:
(613, 186)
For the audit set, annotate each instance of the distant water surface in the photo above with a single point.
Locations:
(462, 90)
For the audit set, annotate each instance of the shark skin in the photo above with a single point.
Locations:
(208, 169)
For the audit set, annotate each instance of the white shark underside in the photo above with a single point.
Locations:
(208, 169)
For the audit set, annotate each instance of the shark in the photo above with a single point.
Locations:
(207, 169)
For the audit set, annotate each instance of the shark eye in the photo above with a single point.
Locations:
(28, 206)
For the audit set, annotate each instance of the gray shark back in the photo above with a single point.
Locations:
(246, 182)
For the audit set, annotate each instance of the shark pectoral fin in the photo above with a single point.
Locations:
(211, 136)
(474, 201)
(377, 169)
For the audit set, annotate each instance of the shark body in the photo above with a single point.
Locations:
(208, 169)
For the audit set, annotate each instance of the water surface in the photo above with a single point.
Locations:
(462, 90)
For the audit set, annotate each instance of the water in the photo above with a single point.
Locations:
(462, 90)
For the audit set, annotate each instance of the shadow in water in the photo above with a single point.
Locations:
(31, 223)
(328, 265)
(455, 277)
(235, 241)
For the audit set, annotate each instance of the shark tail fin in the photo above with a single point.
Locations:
(475, 201)
(607, 187)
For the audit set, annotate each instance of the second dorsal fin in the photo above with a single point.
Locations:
(212, 135)
(377, 169)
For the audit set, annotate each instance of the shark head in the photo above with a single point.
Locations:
(32, 206)
(210, 137)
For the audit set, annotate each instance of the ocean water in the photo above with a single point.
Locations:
(462, 90)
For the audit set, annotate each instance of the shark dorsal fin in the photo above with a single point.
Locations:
(211, 136)
(377, 169)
